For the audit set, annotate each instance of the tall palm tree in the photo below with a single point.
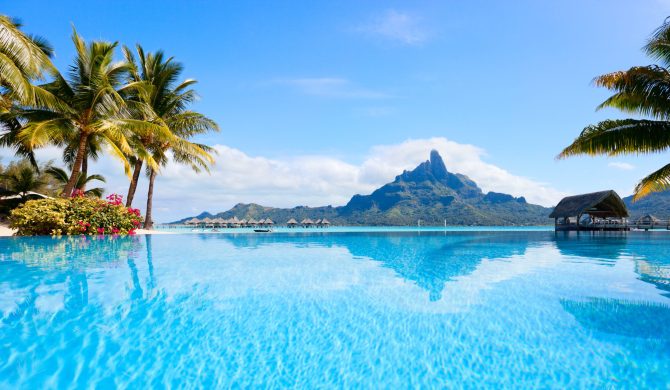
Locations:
(157, 75)
(62, 177)
(24, 59)
(169, 102)
(643, 90)
(91, 106)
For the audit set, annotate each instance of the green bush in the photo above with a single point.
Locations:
(74, 216)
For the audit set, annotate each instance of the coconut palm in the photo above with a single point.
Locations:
(62, 177)
(91, 107)
(157, 75)
(169, 102)
(22, 181)
(641, 90)
(24, 59)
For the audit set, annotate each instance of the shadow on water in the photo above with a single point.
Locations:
(645, 320)
(429, 259)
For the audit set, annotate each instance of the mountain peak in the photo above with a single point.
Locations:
(437, 165)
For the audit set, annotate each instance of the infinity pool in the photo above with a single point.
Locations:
(361, 309)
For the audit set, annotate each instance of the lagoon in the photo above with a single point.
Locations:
(371, 308)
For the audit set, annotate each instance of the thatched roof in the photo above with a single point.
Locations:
(292, 222)
(648, 219)
(261, 221)
(307, 221)
(600, 204)
(193, 221)
(207, 220)
(325, 222)
(252, 221)
(269, 222)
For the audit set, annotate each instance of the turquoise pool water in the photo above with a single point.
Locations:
(514, 309)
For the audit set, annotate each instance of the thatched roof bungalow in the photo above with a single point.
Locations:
(602, 204)
(647, 220)
(268, 221)
(291, 222)
(325, 222)
(192, 221)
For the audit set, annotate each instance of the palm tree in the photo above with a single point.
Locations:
(169, 104)
(23, 60)
(91, 107)
(62, 177)
(157, 75)
(22, 181)
(641, 90)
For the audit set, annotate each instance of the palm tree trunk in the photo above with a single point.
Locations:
(148, 221)
(84, 169)
(81, 151)
(133, 182)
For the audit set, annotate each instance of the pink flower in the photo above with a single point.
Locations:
(77, 193)
(115, 199)
(131, 232)
(115, 230)
(136, 222)
(101, 230)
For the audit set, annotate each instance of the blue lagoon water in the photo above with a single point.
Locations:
(358, 309)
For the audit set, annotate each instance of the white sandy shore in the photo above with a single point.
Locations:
(6, 231)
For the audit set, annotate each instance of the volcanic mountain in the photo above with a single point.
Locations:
(429, 193)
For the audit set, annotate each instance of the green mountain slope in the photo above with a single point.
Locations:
(429, 193)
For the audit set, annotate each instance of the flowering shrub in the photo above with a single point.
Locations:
(77, 215)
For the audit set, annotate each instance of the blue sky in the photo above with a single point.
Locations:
(325, 90)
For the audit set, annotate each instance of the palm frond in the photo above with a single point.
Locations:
(621, 136)
(655, 182)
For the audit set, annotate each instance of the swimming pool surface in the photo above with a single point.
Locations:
(512, 309)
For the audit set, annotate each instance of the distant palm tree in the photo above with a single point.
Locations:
(62, 177)
(92, 107)
(641, 90)
(22, 181)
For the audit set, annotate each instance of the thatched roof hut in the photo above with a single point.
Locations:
(603, 204)
(252, 221)
(192, 221)
(325, 222)
(647, 220)
(261, 221)
(268, 221)
(206, 221)
(292, 222)
(307, 221)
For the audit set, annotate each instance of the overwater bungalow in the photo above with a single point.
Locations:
(268, 222)
(292, 223)
(325, 223)
(252, 222)
(307, 222)
(605, 211)
(649, 222)
(192, 221)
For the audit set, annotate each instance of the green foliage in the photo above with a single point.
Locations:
(640, 90)
(62, 177)
(72, 216)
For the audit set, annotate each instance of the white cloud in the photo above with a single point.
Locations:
(310, 180)
(396, 26)
(621, 165)
(332, 87)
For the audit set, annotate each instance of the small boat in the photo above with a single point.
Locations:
(263, 230)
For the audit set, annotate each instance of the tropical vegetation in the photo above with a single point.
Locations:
(643, 90)
(79, 214)
(129, 105)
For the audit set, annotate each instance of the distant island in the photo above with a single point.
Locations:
(429, 193)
